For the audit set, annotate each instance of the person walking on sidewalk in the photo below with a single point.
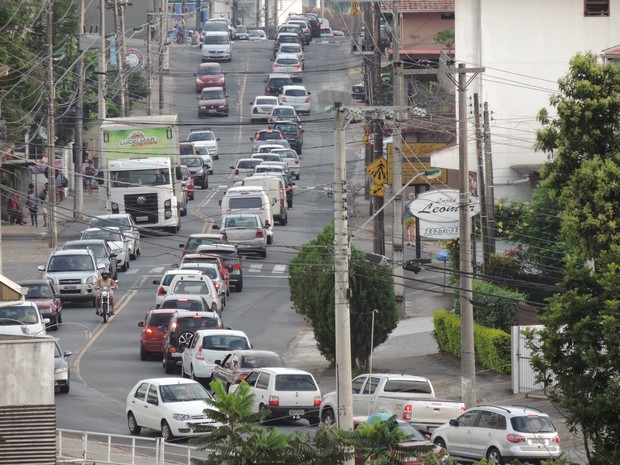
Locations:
(409, 220)
(33, 205)
(89, 176)
(61, 183)
(44, 198)
(16, 214)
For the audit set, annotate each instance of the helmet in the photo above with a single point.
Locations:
(105, 274)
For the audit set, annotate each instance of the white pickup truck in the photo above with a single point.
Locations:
(410, 398)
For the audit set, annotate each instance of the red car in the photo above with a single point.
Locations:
(42, 293)
(209, 75)
(154, 328)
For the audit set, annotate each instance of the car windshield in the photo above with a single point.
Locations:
(290, 49)
(98, 249)
(295, 382)
(186, 150)
(67, 263)
(248, 164)
(149, 177)
(197, 135)
(253, 361)
(241, 29)
(287, 154)
(38, 291)
(216, 39)
(121, 222)
(14, 315)
(216, 26)
(202, 150)
(191, 287)
(186, 392)
(191, 162)
(209, 70)
(193, 243)
(225, 343)
(239, 203)
(212, 95)
(241, 222)
(532, 424)
(106, 235)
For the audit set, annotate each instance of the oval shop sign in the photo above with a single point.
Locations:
(441, 206)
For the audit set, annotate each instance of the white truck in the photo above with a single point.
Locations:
(410, 398)
(276, 191)
(141, 166)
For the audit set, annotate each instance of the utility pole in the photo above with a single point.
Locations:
(51, 128)
(78, 185)
(377, 84)
(120, 55)
(341, 275)
(488, 177)
(481, 184)
(163, 10)
(199, 16)
(149, 64)
(468, 359)
(101, 94)
(397, 168)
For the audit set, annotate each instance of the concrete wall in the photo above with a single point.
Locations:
(418, 30)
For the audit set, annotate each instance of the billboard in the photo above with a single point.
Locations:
(416, 159)
(139, 142)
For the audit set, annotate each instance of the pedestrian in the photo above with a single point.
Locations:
(60, 184)
(89, 176)
(33, 205)
(409, 220)
(16, 215)
(44, 199)
(473, 185)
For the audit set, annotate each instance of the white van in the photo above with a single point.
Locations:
(275, 189)
(216, 47)
(250, 199)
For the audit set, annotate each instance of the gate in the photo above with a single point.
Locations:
(523, 377)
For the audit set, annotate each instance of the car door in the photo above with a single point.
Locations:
(458, 438)
(262, 390)
(153, 406)
(358, 395)
(188, 354)
(138, 404)
(489, 425)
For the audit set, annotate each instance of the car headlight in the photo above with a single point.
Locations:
(91, 280)
(181, 417)
(58, 371)
(200, 172)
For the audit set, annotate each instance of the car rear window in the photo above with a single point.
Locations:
(532, 424)
(239, 203)
(253, 361)
(409, 386)
(225, 343)
(160, 319)
(295, 383)
(191, 287)
(295, 92)
(193, 305)
(280, 82)
(248, 164)
(209, 70)
(287, 61)
(195, 323)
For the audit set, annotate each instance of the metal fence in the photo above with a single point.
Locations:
(83, 447)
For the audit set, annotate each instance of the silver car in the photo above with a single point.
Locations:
(246, 231)
(117, 240)
(500, 434)
(62, 371)
(128, 226)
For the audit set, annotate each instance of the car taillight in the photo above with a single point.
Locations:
(161, 291)
(224, 235)
(407, 412)
(274, 401)
(199, 354)
(237, 266)
(236, 172)
(171, 350)
(242, 377)
(217, 285)
(307, 99)
(297, 66)
(260, 233)
(556, 439)
(276, 65)
(317, 401)
(515, 438)
(297, 162)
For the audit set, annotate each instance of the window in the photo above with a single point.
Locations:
(468, 418)
(357, 384)
(151, 396)
(141, 391)
(596, 7)
(263, 381)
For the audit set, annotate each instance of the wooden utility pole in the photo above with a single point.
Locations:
(377, 84)
(481, 184)
(78, 185)
(51, 129)
(488, 176)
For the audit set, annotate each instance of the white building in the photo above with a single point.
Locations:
(525, 46)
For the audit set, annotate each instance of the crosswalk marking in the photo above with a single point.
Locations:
(279, 269)
(255, 268)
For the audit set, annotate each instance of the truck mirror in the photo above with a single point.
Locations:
(178, 173)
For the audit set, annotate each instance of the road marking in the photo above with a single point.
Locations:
(255, 268)
(159, 269)
(132, 270)
(279, 269)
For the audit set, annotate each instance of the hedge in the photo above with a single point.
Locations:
(492, 346)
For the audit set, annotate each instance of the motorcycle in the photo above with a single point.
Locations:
(105, 303)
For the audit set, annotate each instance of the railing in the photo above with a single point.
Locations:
(83, 447)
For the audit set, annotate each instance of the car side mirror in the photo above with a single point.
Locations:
(232, 167)
(157, 282)
(41, 268)
(182, 246)
(67, 353)
(141, 324)
(218, 362)
(215, 226)
(309, 93)
(219, 202)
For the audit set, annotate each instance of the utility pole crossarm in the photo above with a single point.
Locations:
(463, 70)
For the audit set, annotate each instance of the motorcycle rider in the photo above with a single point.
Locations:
(103, 281)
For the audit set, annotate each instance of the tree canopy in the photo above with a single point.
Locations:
(312, 295)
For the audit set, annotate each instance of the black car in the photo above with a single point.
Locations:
(276, 82)
(292, 132)
(197, 169)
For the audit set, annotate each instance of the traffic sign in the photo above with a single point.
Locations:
(355, 9)
(370, 140)
(378, 171)
(377, 190)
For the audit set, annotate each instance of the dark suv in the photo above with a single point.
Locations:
(292, 132)
(276, 82)
(181, 328)
(198, 171)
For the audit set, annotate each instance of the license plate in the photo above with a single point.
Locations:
(71, 287)
(142, 218)
(212, 111)
(296, 412)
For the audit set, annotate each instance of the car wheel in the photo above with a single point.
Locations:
(133, 256)
(65, 389)
(269, 239)
(59, 317)
(166, 432)
(493, 456)
(132, 424)
(263, 254)
(328, 418)
(144, 355)
(138, 252)
(239, 286)
(184, 212)
(168, 368)
(54, 323)
(94, 302)
(124, 266)
(439, 442)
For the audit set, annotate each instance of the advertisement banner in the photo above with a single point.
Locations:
(439, 230)
(442, 206)
(144, 142)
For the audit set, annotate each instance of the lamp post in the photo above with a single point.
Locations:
(372, 339)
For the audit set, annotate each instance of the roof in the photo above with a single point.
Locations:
(168, 380)
(284, 370)
(526, 170)
(421, 6)
(612, 51)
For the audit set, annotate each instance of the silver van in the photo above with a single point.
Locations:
(216, 47)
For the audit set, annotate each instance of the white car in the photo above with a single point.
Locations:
(297, 97)
(198, 285)
(276, 165)
(117, 240)
(288, 64)
(22, 320)
(212, 270)
(292, 160)
(269, 169)
(128, 226)
(244, 167)
(294, 49)
(283, 113)
(285, 393)
(205, 137)
(163, 284)
(209, 345)
(268, 149)
(256, 34)
(203, 152)
(262, 106)
(168, 405)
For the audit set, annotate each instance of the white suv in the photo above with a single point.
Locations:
(500, 434)
(285, 392)
(197, 285)
(74, 273)
(207, 138)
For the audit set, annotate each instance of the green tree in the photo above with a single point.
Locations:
(312, 295)
(577, 353)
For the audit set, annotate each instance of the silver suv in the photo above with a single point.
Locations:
(74, 274)
(500, 434)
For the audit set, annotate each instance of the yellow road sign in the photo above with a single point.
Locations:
(377, 190)
(378, 171)
(355, 9)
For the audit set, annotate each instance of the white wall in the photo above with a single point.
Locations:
(525, 46)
